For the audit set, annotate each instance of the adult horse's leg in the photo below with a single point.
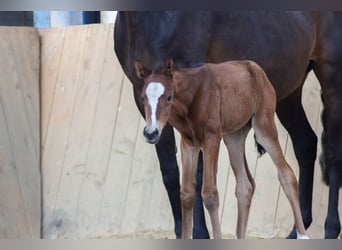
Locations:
(200, 230)
(291, 114)
(245, 184)
(166, 152)
(330, 78)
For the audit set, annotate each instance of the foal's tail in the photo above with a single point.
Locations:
(261, 150)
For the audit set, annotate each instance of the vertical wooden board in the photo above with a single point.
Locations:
(58, 127)
(27, 63)
(13, 218)
(20, 119)
(159, 213)
(51, 52)
(100, 144)
(311, 100)
(24, 125)
(140, 186)
(79, 133)
(120, 165)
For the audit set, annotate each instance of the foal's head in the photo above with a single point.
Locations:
(157, 95)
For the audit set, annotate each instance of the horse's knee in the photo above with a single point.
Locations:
(187, 198)
(244, 193)
(210, 199)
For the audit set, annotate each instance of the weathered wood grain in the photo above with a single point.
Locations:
(20, 184)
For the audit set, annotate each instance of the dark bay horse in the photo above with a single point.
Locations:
(287, 45)
(207, 104)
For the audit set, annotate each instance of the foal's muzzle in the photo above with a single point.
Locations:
(152, 135)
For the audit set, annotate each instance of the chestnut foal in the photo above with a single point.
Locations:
(206, 104)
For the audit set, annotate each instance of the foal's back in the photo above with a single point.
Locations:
(242, 88)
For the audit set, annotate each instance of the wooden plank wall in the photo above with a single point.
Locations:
(20, 183)
(100, 177)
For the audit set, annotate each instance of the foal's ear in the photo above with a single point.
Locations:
(141, 70)
(169, 66)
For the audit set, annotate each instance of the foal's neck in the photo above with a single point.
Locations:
(187, 86)
(190, 92)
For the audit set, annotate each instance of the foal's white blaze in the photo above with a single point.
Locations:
(154, 91)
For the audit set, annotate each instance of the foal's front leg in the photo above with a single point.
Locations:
(189, 155)
(209, 188)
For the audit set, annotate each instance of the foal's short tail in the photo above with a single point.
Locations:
(261, 150)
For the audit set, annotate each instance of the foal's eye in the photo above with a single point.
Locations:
(169, 98)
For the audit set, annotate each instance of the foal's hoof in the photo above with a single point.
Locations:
(302, 236)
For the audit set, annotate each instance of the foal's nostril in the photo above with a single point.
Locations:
(152, 136)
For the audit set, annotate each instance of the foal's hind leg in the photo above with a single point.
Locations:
(267, 135)
(292, 115)
(245, 184)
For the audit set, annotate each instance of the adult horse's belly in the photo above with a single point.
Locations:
(282, 47)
